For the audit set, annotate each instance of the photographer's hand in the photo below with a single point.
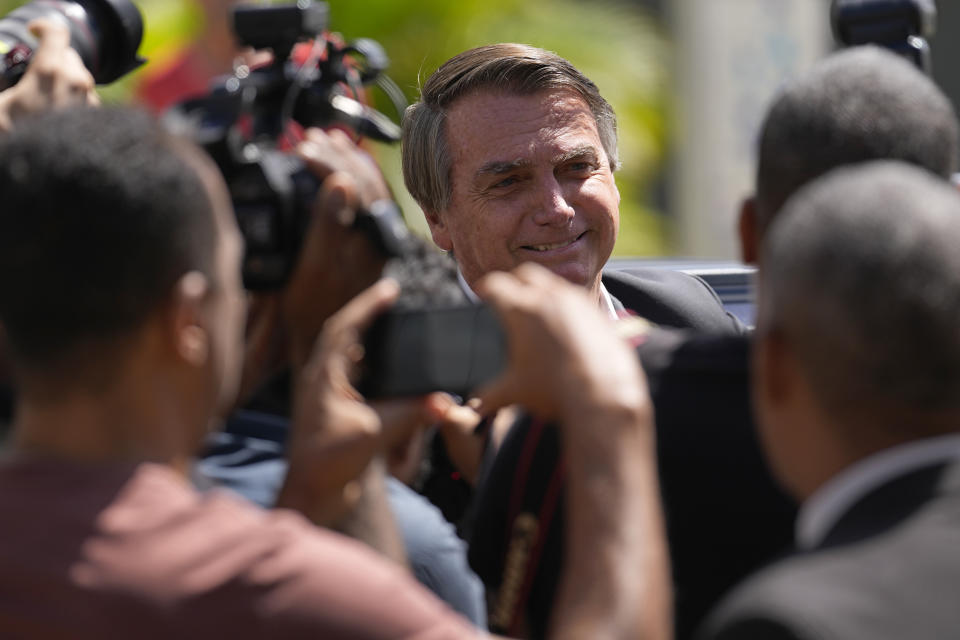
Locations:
(326, 152)
(336, 473)
(567, 363)
(336, 262)
(55, 78)
(562, 353)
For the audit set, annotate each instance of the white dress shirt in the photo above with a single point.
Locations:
(604, 295)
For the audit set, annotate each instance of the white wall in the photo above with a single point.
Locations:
(729, 58)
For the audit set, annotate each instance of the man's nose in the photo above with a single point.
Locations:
(553, 206)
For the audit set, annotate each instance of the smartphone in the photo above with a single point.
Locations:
(416, 351)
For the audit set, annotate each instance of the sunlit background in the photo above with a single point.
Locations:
(689, 79)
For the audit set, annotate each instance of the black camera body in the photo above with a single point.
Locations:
(243, 123)
(410, 352)
(245, 119)
(272, 194)
(904, 26)
(105, 33)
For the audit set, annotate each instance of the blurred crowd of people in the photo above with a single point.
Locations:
(186, 458)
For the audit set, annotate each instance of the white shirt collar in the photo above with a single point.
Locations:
(606, 299)
(821, 511)
(474, 298)
(607, 302)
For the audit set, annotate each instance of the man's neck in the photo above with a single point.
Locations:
(127, 421)
(596, 290)
(597, 293)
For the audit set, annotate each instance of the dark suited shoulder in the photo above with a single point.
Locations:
(757, 629)
(898, 582)
(691, 355)
(835, 594)
(725, 514)
(779, 603)
(671, 299)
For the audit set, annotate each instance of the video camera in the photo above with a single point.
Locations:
(314, 80)
(106, 34)
(904, 26)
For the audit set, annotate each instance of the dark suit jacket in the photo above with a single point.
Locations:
(889, 569)
(726, 515)
(670, 299)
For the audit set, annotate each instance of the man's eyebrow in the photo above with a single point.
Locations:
(498, 167)
(585, 152)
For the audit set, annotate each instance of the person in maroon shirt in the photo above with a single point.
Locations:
(124, 315)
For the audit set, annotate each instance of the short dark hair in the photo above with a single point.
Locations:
(862, 277)
(860, 104)
(509, 68)
(101, 215)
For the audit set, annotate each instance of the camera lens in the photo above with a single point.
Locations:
(106, 34)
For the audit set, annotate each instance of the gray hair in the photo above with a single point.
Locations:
(510, 68)
(862, 279)
(860, 104)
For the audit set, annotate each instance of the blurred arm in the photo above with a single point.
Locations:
(568, 365)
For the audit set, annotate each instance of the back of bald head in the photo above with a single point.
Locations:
(861, 104)
(862, 280)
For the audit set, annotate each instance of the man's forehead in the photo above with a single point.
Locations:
(551, 103)
(488, 128)
(579, 152)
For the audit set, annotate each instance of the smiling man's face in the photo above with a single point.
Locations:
(531, 182)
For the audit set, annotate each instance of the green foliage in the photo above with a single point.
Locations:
(613, 43)
(168, 25)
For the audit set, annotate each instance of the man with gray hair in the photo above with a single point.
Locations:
(857, 105)
(510, 152)
(860, 104)
(727, 515)
(857, 389)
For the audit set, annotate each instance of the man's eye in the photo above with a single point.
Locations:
(579, 167)
(506, 182)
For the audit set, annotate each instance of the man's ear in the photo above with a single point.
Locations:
(747, 227)
(439, 230)
(779, 410)
(187, 324)
(771, 368)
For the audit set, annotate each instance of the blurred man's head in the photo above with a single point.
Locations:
(858, 345)
(113, 227)
(510, 152)
(860, 104)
